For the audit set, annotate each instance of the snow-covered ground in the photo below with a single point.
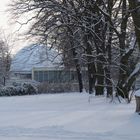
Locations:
(67, 117)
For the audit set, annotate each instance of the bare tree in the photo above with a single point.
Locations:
(5, 61)
(100, 31)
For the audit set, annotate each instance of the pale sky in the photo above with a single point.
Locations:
(8, 28)
(3, 15)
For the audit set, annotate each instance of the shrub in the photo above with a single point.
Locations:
(57, 87)
(8, 91)
(29, 89)
(23, 89)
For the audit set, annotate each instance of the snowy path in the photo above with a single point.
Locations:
(66, 117)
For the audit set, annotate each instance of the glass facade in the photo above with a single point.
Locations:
(55, 76)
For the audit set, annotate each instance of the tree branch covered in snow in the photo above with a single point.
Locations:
(95, 34)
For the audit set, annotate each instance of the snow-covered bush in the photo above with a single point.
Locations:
(29, 89)
(50, 88)
(57, 87)
(23, 89)
(8, 91)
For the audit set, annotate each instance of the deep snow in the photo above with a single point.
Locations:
(67, 117)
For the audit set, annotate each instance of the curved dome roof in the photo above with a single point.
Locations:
(35, 56)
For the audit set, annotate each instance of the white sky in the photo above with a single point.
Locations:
(8, 28)
(3, 15)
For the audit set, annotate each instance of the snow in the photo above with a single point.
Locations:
(35, 56)
(136, 70)
(134, 73)
(137, 93)
(67, 116)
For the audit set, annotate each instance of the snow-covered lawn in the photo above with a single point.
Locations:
(67, 117)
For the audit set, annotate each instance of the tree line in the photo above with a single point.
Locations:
(101, 35)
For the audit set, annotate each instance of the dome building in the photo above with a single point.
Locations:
(41, 64)
(31, 59)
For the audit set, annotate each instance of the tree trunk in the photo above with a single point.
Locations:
(76, 60)
(91, 77)
(123, 70)
(99, 41)
(109, 86)
(90, 62)
(108, 77)
(78, 69)
(137, 103)
(99, 87)
(79, 75)
(135, 12)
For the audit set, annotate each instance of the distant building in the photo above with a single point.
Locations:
(41, 64)
(53, 74)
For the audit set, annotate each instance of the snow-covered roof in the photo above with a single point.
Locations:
(35, 56)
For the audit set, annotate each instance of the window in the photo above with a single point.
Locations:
(40, 76)
(36, 75)
(55, 76)
(45, 76)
